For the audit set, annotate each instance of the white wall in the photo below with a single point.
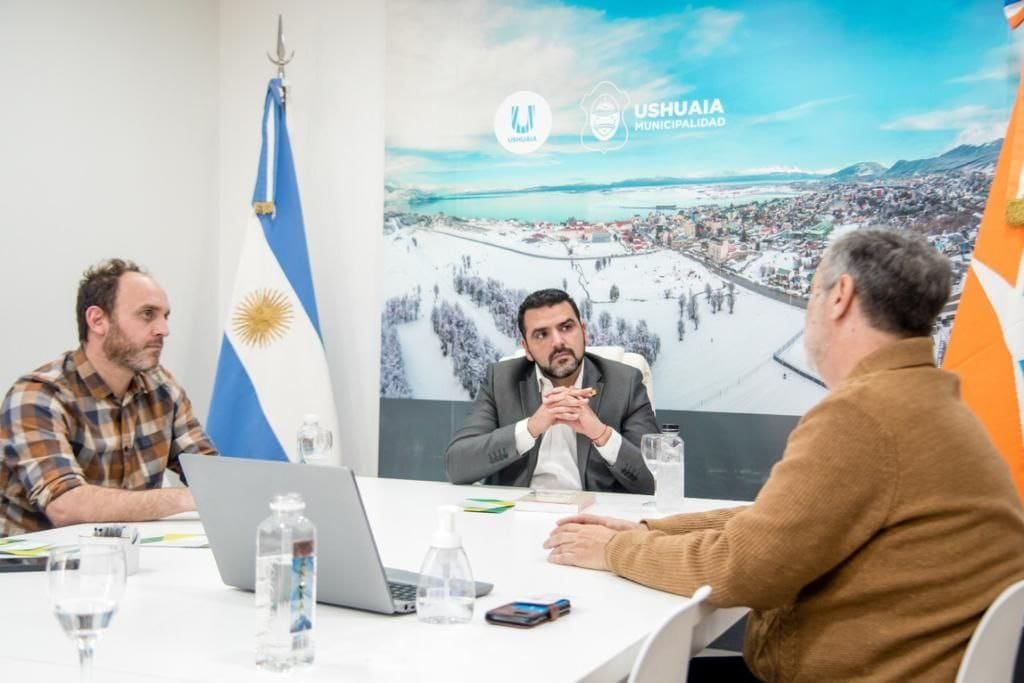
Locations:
(108, 147)
(336, 122)
(132, 128)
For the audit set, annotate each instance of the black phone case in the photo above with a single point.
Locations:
(510, 615)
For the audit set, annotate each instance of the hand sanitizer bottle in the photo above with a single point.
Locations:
(314, 441)
(446, 591)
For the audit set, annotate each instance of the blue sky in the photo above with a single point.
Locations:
(807, 85)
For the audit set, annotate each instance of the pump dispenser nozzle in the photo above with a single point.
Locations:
(446, 536)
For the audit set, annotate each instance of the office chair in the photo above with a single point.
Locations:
(665, 655)
(992, 652)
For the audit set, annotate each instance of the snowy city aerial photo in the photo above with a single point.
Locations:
(685, 217)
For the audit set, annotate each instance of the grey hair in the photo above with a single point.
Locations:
(902, 281)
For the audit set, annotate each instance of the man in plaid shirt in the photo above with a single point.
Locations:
(87, 437)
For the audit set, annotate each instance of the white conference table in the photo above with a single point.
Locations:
(178, 621)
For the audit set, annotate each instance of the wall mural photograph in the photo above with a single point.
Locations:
(678, 169)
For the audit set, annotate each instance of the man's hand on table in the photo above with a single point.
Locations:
(580, 540)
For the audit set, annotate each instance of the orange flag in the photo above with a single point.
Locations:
(986, 346)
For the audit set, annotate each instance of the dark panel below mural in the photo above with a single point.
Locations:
(728, 455)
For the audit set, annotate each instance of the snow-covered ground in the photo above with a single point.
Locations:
(425, 366)
(725, 365)
(542, 242)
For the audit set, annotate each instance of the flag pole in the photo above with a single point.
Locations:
(281, 58)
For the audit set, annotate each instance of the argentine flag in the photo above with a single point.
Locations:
(272, 368)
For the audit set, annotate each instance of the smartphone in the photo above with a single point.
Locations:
(36, 563)
(527, 614)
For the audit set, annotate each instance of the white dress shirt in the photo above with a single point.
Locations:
(557, 457)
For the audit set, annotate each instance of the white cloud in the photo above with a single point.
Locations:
(691, 134)
(980, 133)
(797, 111)
(451, 64)
(711, 29)
(1002, 63)
(400, 163)
(765, 170)
(995, 73)
(781, 168)
(947, 119)
(974, 124)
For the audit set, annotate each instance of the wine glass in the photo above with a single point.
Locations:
(649, 452)
(86, 583)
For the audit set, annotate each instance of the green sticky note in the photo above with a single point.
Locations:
(492, 505)
(26, 552)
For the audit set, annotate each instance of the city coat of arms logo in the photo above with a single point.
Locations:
(604, 123)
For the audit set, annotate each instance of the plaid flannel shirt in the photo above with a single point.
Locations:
(61, 426)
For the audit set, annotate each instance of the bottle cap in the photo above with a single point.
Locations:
(669, 427)
(446, 536)
(310, 419)
(287, 502)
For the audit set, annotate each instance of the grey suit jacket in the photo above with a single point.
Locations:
(485, 447)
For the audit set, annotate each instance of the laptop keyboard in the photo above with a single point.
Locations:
(402, 591)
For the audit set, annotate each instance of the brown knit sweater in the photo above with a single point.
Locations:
(878, 541)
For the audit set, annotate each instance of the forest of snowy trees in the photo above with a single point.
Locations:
(637, 339)
(491, 294)
(470, 352)
(397, 310)
(393, 380)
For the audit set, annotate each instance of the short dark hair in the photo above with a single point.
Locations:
(98, 287)
(544, 298)
(902, 281)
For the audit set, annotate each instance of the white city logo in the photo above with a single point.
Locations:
(522, 122)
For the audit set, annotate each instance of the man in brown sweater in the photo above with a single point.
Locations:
(890, 523)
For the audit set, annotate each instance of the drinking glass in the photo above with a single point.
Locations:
(649, 452)
(86, 583)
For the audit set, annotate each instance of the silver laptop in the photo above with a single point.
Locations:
(233, 495)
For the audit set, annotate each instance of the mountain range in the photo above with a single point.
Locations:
(964, 158)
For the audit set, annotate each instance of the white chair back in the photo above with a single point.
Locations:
(616, 353)
(992, 652)
(665, 655)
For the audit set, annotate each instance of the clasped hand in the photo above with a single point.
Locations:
(568, 406)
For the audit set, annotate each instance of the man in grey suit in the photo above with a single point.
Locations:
(559, 418)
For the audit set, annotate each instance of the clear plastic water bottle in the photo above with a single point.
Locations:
(285, 585)
(314, 441)
(670, 473)
(446, 591)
